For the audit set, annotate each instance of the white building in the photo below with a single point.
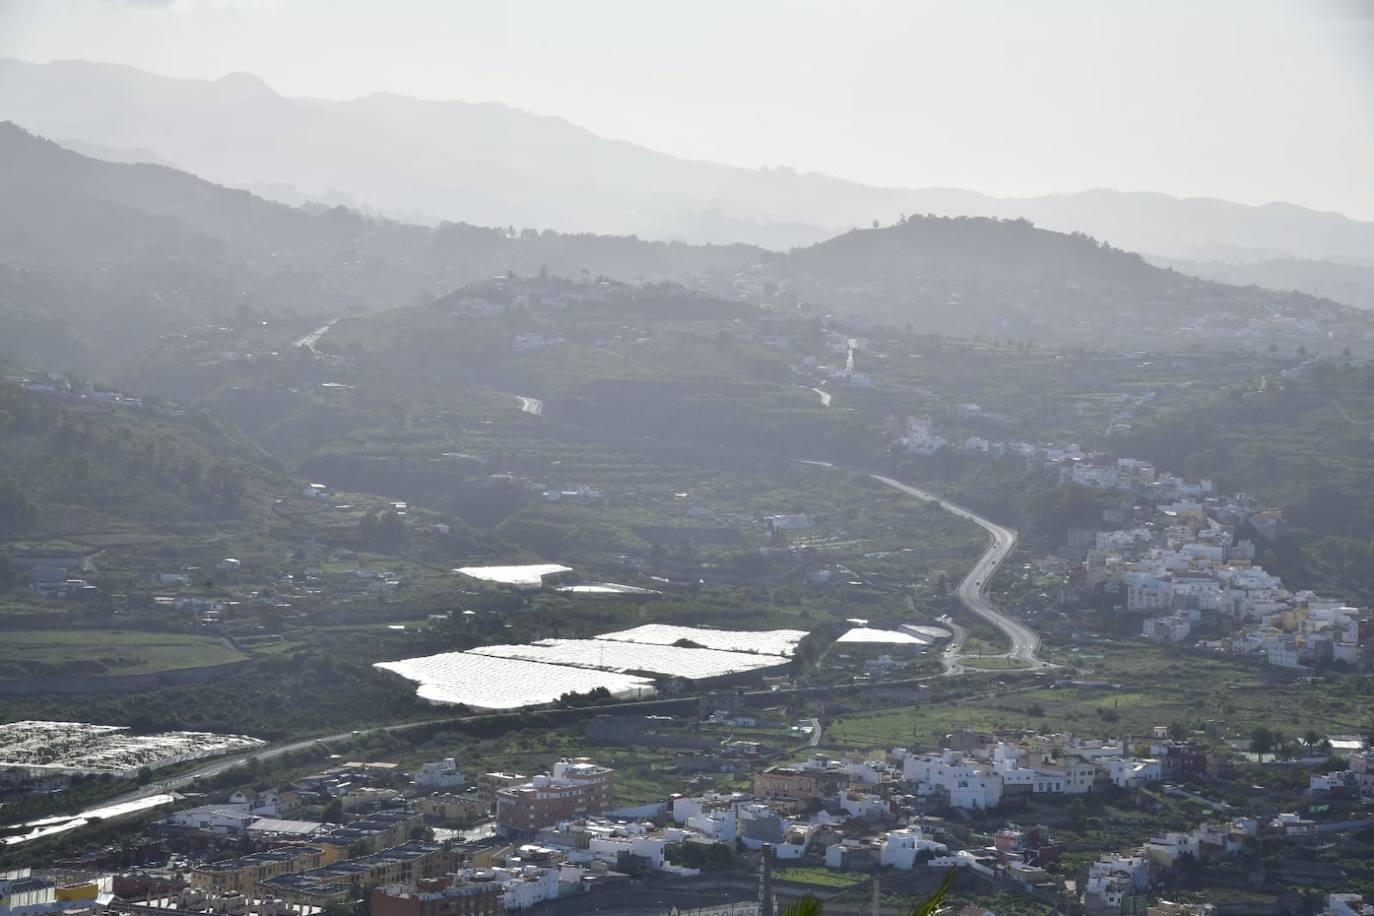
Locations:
(1113, 878)
(1168, 848)
(1174, 628)
(968, 786)
(900, 847)
(1130, 772)
(524, 887)
(220, 819)
(440, 774)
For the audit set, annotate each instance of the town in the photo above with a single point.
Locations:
(758, 459)
(436, 839)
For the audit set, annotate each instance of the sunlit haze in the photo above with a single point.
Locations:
(750, 458)
(1248, 100)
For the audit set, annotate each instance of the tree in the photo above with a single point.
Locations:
(7, 574)
(1178, 731)
(1261, 741)
(333, 812)
(17, 513)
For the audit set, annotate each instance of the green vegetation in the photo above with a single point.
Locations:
(1260, 438)
(66, 653)
(297, 695)
(1217, 696)
(993, 662)
(75, 468)
(819, 876)
(812, 906)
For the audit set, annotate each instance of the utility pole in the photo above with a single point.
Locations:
(877, 898)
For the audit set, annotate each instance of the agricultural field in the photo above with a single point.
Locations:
(95, 653)
(78, 747)
(516, 676)
(767, 642)
(1146, 686)
(615, 655)
(485, 682)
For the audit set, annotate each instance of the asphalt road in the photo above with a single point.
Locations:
(972, 590)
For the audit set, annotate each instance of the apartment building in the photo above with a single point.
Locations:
(404, 864)
(244, 874)
(574, 789)
(465, 898)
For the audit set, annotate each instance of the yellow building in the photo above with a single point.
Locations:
(244, 874)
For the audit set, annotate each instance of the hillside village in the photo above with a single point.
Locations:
(1183, 554)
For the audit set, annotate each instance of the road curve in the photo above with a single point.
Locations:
(972, 591)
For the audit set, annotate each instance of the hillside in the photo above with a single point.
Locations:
(488, 164)
(1196, 228)
(1298, 439)
(1349, 283)
(93, 471)
(98, 260)
(101, 262)
(1007, 278)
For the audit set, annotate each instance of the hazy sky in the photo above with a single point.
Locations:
(1251, 100)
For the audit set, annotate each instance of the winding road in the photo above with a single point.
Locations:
(972, 591)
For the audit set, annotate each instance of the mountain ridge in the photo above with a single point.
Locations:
(488, 163)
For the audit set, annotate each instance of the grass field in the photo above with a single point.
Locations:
(1222, 696)
(993, 663)
(820, 877)
(56, 653)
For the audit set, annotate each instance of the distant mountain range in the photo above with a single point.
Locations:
(101, 261)
(488, 164)
(98, 260)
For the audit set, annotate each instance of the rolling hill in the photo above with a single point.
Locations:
(968, 276)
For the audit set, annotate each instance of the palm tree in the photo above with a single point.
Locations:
(812, 906)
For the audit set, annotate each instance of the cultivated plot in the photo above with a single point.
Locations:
(612, 655)
(79, 747)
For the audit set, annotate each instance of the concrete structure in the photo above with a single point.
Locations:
(242, 875)
(405, 864)
(488, 784)
(575, 788)
(801, 783)
(22, 893)
(450, 810)
(440, 774)
(460, 898)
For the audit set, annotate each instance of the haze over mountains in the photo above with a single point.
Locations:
(488, 164)
(101, 261)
